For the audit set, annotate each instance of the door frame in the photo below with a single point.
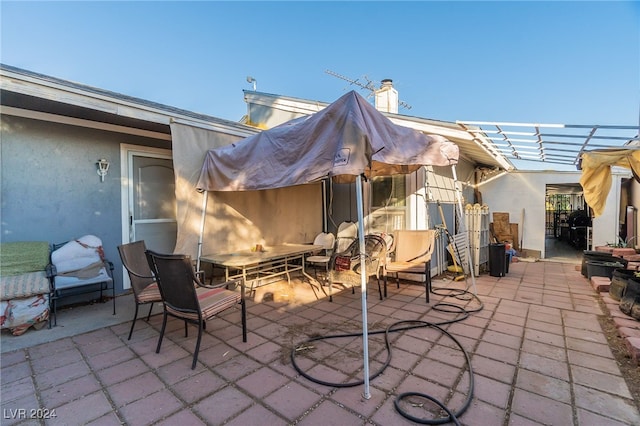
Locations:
(126, 150)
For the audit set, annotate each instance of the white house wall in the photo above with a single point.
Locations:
(606, 227)
(521, 192)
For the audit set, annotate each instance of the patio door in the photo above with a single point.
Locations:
(149, 201)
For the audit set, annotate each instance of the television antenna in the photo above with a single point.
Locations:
(367, 86)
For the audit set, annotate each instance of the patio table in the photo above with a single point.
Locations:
(273, 261)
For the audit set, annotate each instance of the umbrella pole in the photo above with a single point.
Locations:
(325, 225)
(363, 286)
(205, 196)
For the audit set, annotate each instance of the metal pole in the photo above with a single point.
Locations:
(459, 196)
(325, 225)
(363, 286)
(205, 196)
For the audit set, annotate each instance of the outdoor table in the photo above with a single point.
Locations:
(273, 261)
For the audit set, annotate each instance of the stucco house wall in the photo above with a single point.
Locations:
(50, 188)
(525, 190)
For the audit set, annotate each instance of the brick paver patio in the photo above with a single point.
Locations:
(538, 354)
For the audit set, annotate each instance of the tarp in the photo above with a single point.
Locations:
(596, 172)
(347, 138)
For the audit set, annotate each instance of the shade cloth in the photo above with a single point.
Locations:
(596, 173)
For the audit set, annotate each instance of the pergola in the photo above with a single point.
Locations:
(550, 143)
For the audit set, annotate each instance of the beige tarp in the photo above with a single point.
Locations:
(596, 173)
(235, 220)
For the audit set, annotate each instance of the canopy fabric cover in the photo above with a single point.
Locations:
(596, 173)
(348, 138)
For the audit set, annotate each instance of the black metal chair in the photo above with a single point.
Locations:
(186, 298)
(143, 283)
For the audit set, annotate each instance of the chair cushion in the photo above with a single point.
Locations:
(151, 293)
(62, 282)
(77, 254)
(23, 256)
(216, 300)
(406, 267)
(20, 314)
(29, 284)
(212, 301)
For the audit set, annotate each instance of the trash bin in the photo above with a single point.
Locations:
(497, 260)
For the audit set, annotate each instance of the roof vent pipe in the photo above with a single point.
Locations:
(387, 97)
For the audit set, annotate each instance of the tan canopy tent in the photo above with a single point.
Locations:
(596, 172)
(347, 140)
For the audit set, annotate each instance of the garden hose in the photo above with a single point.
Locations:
(403, 326)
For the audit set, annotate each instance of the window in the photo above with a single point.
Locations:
(388, 204)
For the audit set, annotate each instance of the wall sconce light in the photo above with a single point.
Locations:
(103, 168)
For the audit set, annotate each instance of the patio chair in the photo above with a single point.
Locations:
(143, 283)
(346, 234)
(413, 250)
(349, 273)
(185, 297)
(327, 241)
(389, 240)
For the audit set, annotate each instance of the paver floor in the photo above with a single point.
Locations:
(537, 353)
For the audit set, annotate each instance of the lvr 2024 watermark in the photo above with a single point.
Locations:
(28, 413)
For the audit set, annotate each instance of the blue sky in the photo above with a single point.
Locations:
(544, 62)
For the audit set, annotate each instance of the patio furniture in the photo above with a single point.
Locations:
(413, 250)
(375, 257)
(185, 297)
(24, 285)
(389, 240)
(79, 267)
(271, 262)
(327, 241)
(143, 283)
(347, 233)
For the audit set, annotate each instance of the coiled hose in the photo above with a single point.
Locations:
(403, 326)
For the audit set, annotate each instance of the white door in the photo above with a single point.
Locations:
(149, 201)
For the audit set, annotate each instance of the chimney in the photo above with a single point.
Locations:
(387, 97)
